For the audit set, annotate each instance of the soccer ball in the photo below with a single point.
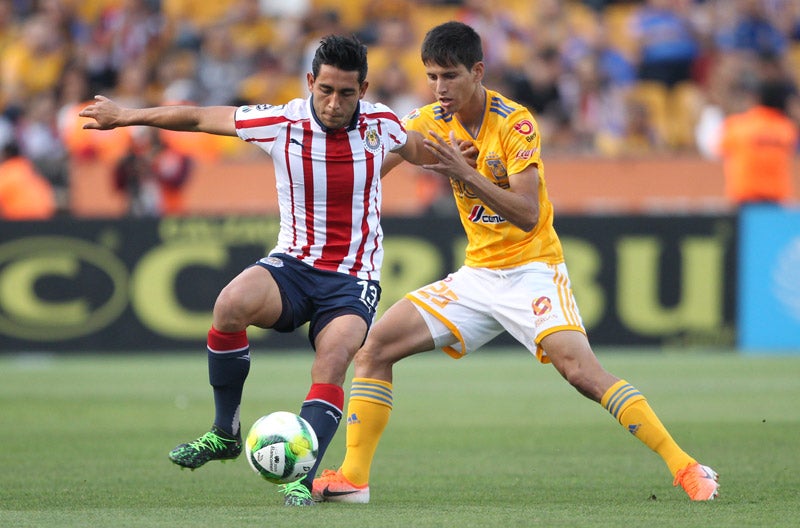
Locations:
(281, 447)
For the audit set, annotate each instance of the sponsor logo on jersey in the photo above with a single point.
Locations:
(478, 215)
(542, 305)
(263, 106)
(543, 310)
(525, 154)
(525, 127)
(372, 141)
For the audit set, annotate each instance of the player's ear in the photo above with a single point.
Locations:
(363, 89)
(478, 70)
(310, 81)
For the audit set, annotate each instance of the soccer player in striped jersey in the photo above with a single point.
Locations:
(514, 278)
(327, 152)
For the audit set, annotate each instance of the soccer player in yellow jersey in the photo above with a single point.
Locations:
(514, 278)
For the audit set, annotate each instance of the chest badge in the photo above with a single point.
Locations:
(372, 141)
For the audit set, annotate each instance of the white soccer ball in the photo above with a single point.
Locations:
(281, 447)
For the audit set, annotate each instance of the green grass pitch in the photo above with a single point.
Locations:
(494, 439)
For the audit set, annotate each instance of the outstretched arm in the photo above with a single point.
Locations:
(519, 204)
(415, 151)
(211, 119)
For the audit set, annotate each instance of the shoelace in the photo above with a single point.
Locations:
(295, 488)
(210, 441)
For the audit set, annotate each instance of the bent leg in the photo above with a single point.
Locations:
(401, 332)
(252, 297)
(335, 345)
(574, 359)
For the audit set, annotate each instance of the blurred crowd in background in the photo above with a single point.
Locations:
(603, 78)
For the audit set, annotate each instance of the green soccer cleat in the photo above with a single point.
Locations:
(296, 494)
(214, 445)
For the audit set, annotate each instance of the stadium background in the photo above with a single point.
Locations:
(656, 253)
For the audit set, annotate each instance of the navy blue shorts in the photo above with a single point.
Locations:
(318, 296)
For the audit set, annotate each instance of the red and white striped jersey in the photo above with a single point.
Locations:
(329, 185)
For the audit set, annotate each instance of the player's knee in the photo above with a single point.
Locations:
(371, 358)
(229, 312)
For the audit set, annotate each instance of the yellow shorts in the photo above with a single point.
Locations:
(472, 306)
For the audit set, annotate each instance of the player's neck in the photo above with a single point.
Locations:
(471, 115)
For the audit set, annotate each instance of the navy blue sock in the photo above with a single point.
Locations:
(227, 372)
(323, 410)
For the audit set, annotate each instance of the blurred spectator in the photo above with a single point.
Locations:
(598, 120)
(596, 82)
(666, 42)
(8, 129)
(81, 145)
(24, 193)
(40, 142)
(188, 19)
(152, 176)
(9, 29)
(395, 91)
(32, 64)
(552, 25)
(220, 68)
(250, 29)
(128, 32)
(537, 85)
(603, 77)
(272, 80)
(752, 31)
(281, 9)
(287, 18)
(497, 29)
(176, 76)
(758, 147)
(397, 76)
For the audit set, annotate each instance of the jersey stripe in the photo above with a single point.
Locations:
(308, 196)
(329, 188)
(339, 181)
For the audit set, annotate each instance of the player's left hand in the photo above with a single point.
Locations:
(452, 162)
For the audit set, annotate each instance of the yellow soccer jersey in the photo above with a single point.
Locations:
(508, 142)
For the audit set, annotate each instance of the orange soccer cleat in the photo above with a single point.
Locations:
(698, 481)
(332, 486)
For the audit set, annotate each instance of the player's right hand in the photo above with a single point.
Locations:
(105, 113)
(469, 151)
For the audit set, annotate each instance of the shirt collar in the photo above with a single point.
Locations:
(351, 126)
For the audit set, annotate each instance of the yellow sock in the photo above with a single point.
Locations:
(630, 408)
(368, 413)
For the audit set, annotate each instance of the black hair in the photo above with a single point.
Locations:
(10, 150)
(344, 53)
(451, 44)
(776, 93)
